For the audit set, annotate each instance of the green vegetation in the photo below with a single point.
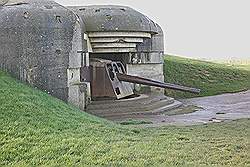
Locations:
(211, 78)
(135, 122)
(244, 67)
(36, 129)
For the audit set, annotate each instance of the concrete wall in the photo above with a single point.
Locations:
(148, 61)
(38, 44)
(151, 71)
(123, 34)
(45, 44)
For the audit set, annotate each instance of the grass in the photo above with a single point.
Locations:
(243, 67)
(211, 78)
(39, 130)
(135, 122)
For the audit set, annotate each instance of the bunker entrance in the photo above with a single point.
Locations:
(115, 57)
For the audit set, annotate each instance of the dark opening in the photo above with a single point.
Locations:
(82, 9)
(48, 6)
(115, 68)
(26, 15)
(122, 9)
(58, 51)
(111, 73)
(117, 91)
(58, 19)
(121, 68)
(117, 57)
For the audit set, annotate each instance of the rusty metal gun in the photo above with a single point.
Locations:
(149, 82)
(109, 79)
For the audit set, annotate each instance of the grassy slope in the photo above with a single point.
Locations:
(36, 129)
(243, 67)
(211, 78)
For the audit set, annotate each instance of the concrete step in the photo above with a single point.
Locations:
(132, 108)
(161, 110)
(138, 101)
(143, 105)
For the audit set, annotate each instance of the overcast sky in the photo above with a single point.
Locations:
(211, 29)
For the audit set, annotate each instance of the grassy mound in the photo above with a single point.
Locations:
(36, 129)
(211, 78)
(243, 67)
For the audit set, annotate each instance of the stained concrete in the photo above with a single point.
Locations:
(144, 58)
(141, 105)
(39, 40)
(3, 2)
(214, 109)
(152, 71)
(104, 18)
(47, 45)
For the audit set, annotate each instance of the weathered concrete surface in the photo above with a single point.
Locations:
(142, 105)
(114, 18)
(3, 2)
(46, 44)
(126, 26)
(216, 109)
(39, 40)
(152, 71)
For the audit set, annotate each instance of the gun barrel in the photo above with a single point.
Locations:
(149, 82)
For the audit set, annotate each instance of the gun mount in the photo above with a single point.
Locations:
(149, 82)
(109, 79)
(54, 53)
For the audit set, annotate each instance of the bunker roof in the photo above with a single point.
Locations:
(100, 18)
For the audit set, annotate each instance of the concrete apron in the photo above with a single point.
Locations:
(213, 109)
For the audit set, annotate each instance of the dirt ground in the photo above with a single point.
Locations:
(213, 109)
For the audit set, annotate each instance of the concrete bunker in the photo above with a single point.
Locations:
(59, 50)
(121, 34)
(39, 44)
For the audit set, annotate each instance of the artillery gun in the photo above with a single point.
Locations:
(110, 80)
